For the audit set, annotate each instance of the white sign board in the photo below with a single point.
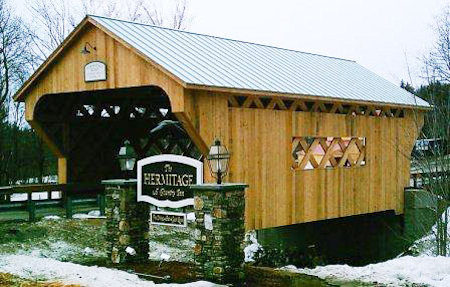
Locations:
(95, 71)
(168, 218)
(164, 180)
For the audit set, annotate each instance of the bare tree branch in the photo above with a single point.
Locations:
(53, 21)
(437, 62)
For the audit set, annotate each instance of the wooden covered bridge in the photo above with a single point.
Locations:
(315, 137)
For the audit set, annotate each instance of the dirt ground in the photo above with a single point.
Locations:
(8, 280)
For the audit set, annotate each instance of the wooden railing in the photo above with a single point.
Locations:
(71, 195)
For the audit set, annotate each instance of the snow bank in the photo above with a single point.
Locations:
(69, 273)
(432, 271)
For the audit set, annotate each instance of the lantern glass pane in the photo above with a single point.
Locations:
(215, 165)
(130, 163)
(223, 164)
(123, 164)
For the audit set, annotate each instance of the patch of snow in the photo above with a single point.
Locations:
(208, 221)
(88, 251)
(90, 215)
(130, 251)
(177, 242)
(431, 271)
(94, 213)
(165, 256)
(190, 216)
(60, 250)
(252, 246)
(51, 217)
(193, 284)
(182, 253)
(69, 273)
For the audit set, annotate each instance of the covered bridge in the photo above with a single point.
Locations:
(315, 137)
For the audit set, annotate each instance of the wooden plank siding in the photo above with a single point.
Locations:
(260, 141)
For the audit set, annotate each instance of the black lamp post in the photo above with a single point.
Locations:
(218, 158)
(127, 158)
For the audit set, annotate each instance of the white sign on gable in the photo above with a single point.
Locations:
(95, 71)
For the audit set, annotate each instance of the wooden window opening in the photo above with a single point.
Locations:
(328, 152)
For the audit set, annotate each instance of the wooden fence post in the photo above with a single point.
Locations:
(68, 206)
(101, 203)
(31, 207)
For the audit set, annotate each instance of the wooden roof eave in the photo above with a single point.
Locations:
(19, 96)
(246, 92)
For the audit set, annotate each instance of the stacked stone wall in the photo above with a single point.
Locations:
(220, 231)
(127, 222)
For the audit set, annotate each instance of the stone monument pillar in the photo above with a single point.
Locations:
(127, 222)
(220, 231)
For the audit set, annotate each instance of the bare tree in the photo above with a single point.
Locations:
(16, 62)
(432, 159)
(15, 59)
(433, 163)
(437, 62)
(54, 20)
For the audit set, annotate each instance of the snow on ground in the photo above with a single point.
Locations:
(402, 271)
(174, 241)
(36, 268)
(60, 250)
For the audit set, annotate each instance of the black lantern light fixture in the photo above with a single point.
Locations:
(127, 157)
(218, 158)
(85, 49)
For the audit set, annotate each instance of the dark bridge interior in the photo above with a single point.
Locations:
(89, 128)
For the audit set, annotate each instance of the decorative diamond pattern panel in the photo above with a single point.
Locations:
(328, 152)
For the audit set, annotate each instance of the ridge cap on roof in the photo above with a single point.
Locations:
(218, 37)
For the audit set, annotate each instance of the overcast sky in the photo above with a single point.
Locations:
(382, 35)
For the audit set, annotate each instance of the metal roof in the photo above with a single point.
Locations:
(212, 61)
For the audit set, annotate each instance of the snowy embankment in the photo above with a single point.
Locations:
(403, 271)
(424, 269)
(30, 267)
(427, 245)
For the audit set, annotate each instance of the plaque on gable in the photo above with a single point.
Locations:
(95, 71)
(164, 180)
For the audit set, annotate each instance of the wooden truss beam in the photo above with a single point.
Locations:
(253, 101)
